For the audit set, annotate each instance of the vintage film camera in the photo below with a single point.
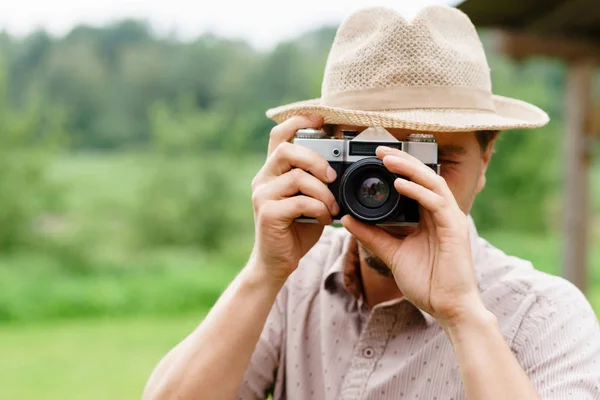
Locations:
(364, 188)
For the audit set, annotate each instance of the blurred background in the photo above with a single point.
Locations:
(129, 134)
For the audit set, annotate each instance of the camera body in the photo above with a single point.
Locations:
(364, 188)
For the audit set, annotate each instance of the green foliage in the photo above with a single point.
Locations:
(29, 138)
(523, 175)
(104, 258)
(150, 212)
(125, 89)
(188, 197)
(186, 204)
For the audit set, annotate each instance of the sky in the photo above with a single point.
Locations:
(263, 23)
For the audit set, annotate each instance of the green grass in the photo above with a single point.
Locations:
(87, 359)
(156, 283)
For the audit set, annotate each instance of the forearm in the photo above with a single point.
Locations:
(211, 361)
(488, 368)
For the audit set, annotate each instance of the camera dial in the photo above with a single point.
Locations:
(311, 133)
(421, 137)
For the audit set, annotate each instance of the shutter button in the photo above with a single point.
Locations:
(368, 352)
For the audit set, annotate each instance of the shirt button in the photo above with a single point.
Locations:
(368, 352)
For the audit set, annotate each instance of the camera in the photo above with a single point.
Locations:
(364, 188)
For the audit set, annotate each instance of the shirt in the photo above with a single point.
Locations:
(321, 341)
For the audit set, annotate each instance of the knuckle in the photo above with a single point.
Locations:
(255, 182)
(283, 150)
(256, 197)
(313, 207)
(298, 175)
(302, 202)
(286, 146)
(277, 132)
(442, 204)
(303, 121)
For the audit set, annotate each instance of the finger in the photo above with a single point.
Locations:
(382, 151)
(437, 205)
(288, 156)
(293, 182)
(288, 209)
(419, 173)
(285, 131)
(381, 243)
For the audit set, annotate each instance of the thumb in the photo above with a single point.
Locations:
(381, 243)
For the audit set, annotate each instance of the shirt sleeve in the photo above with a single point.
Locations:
(264, 369)
(558, 345)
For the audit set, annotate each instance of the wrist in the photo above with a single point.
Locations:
(471, 320)
(256, 274)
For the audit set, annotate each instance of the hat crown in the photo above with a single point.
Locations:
(376, 48)
(429, 74)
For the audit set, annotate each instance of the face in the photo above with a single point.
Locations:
(463, 166)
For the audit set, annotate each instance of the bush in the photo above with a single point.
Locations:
(521, 184)
(29, 138)
(524, 174)
(186, 203)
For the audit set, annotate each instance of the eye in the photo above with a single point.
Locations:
(446, 161)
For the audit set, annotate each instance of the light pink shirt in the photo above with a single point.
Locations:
(321, 341)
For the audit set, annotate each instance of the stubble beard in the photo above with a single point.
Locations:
(374, 262)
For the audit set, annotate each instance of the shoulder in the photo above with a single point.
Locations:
(497, 269)
(525, 299)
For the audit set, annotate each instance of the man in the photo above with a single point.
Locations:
(381, 312)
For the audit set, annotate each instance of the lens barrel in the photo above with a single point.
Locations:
(367, 191)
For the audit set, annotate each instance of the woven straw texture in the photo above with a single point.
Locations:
(377, 49)
(377, 56)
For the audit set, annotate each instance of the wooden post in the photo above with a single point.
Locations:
(577, 149)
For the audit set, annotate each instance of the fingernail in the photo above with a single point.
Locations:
(385, 149)
(335, 209)
(331, 174)
(315, 118)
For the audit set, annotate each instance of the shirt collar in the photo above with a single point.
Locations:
(344, 271)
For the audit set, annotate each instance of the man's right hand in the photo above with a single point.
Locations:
(219, 350)
(280, 242)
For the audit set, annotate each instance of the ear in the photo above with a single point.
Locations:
(486, 156)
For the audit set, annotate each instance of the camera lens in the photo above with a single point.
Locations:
(366, 191)
(373, 192)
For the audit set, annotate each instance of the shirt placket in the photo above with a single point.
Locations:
(368, 351)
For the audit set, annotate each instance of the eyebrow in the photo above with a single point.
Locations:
(451, 150)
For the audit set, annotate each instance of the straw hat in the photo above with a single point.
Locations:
(429, 74)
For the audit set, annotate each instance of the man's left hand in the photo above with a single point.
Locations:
(432, 266)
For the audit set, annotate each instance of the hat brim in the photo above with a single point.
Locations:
(509, 114)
